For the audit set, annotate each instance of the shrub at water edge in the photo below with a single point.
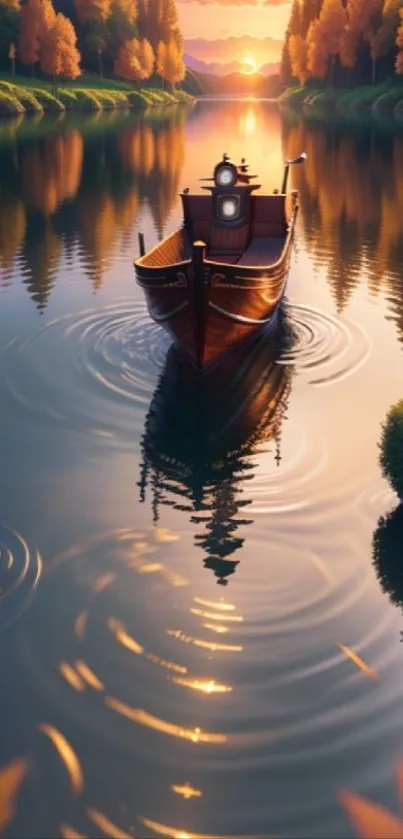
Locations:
(391, 448)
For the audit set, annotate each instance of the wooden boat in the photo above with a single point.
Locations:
(220, 277)
(201, 434)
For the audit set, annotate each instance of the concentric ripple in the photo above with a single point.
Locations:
(327, 349)
(90, 371)
(20, 571)
(214, 690)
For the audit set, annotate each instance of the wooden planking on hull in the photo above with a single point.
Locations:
(221, 276)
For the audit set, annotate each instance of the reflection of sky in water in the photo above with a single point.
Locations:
(141, 698)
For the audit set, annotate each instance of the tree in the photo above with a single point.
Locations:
(12, 56)
(160, 59)
(324, 37)
(297, 47)
(391, 448)
(173, 67)
(37, 18)
(317, 58)
(59, 55)
(96, 41)
(399, 44)
(9, 26)
(93, 10)
(126, 10)
(146, 58)
(309, 11)
(293, 28)
(127, 64)
(384, 39)
(170, 24)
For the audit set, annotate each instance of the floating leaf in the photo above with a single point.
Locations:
(11, 778)
(359, 662)
(371, 820)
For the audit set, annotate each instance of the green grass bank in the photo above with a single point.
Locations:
(20, 95)
(377, 101)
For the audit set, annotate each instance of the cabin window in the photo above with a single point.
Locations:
(228, 207)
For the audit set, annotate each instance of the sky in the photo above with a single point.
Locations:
(211, 20)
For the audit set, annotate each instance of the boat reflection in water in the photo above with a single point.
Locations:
(201, 433)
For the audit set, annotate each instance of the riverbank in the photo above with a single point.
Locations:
(21, 95)
(385, 100)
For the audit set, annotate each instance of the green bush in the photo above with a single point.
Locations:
(87, 100)
(295, 95)
(387, 102)
(49, 102)
(67, 97)
(391, 448)
(324, 100)
(9, 88)
(360, 98)
(387, 544)
(112, 98)
(182, 96)
(139, 98)
(9, 104)
(28, 100)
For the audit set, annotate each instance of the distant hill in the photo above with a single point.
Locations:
(233, 83)
(216, 68)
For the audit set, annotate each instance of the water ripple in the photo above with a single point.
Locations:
(90, 371)
(332, 348)
(20, 570)
(185, 702)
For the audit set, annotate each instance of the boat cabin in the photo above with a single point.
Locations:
(237, 226)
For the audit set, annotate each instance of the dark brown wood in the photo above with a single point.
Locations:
(142, 248)
(212, 284)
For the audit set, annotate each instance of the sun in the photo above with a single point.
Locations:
(251, 64)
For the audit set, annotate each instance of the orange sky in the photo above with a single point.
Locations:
(213, 20)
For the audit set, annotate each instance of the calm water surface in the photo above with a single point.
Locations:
(148, 697)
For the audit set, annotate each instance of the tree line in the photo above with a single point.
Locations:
(133, 41)
(343, 42)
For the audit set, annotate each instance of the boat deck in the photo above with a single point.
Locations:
(261, 251)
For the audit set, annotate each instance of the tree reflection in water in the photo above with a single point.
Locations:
(63, 192)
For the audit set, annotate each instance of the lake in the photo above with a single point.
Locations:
(177, 577)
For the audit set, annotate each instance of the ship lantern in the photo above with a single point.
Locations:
(225, 174)
(228, 207)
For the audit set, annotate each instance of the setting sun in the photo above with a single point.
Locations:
(250, 63)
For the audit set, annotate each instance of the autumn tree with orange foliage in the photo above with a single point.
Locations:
(297, 47)
(59, 55)
(146, 58)
(358, 27)
(37, 19)
(171, 65)
(324, 37)
(399, 44)
(127, 64)
(347, 41)
(383, 38)
(160, 59)
(93, 10)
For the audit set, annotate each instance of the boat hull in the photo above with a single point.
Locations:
(209, 311)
